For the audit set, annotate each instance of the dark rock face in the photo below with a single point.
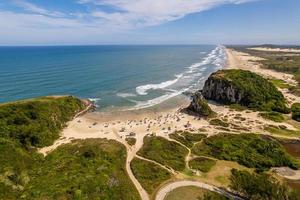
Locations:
(221, 91)
(199, 106)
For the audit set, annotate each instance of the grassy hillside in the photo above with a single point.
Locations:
(84, 169)
(250, 150)
(254, 91)
(149, 174)
(261, 186)
(163, 151)
(37, 122)
(278, 61)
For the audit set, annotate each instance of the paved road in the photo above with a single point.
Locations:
(162, 193)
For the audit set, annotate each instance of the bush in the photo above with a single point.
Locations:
(218, 122)
(202, 164)
(259, 186)
(249, 150)
(37, 122)
(273, 116)
(296, 111)
(131, 141)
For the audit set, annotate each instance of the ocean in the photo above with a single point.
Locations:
(122, 77)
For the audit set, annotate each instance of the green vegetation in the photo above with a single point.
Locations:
(84, 169)
(218, 122)
(165, 152)
(202, 164)
(37, 122)
(260, 186)
(131, 141)
(282, 130)
(253, 91)
(250, 150)
(187, 138)
(273, 116)
(200, 106)
(150, 175)
(193, 193)
(280, 83)
(296, 111)
(281, 62)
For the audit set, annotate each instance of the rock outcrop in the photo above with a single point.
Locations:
(199, 106)
(221, 90)
(244, 88)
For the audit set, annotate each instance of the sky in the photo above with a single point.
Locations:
(93, 22)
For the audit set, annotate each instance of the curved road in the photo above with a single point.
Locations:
(162, 193)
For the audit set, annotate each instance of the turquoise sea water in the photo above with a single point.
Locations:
(129, 77)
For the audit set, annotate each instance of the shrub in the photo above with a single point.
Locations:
(37, 122)
(296, 111)
(259, 186)
(202, 164)
(249, 150)
(218, 122)
(274, 116)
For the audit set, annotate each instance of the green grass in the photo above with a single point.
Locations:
(37, 122)
(202, 164)
(193, 193)
(250, 150)
(187, 138)
(84, 169)
(255, 92)
(280, 83)
(150, 175)
(278, 130)
(165, 152)
(273, 116)
(131, 141)
(296, 111)
(218, 122)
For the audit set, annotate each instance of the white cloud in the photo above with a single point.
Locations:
(94, 20)
(36, 9)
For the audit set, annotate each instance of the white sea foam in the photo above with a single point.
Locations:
(124, 95)
(143, 90)
(95, 101)
(191, 78)
(155, 101)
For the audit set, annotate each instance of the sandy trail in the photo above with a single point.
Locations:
(163, 192)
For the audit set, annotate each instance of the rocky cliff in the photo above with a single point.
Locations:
(245, 88)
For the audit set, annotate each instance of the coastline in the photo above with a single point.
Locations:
(166, 117)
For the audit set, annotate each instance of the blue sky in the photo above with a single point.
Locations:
(79, 22)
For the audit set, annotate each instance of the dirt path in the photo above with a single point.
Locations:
(169, 169)
(164, 191)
